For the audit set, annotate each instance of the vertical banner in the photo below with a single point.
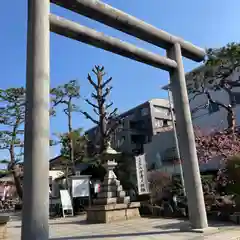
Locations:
(141, 169)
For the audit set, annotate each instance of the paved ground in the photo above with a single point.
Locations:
(75, 228)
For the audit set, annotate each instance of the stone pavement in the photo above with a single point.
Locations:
(75, 228)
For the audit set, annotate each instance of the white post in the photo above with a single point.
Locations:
(192, 177)
(36, 142)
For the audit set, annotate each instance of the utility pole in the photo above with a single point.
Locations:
(176, 141)
(36, 135)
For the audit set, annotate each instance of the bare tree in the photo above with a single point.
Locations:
(106, 120)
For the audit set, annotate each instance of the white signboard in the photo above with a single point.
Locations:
(66, 202)
(142, 180)
(80, 187)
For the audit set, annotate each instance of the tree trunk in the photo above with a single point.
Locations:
(231, 119)
(16, 174)
(102, 114)
(71, 150)
(66, 176)
(17, 181)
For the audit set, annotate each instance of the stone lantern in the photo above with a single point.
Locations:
(112, 203)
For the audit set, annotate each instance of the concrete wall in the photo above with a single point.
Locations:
(162, 152)
(156, 149)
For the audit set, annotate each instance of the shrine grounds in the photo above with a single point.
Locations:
(74, 228)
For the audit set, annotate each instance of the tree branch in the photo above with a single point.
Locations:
(91, 81)
(227, 107)
(90, 103)
(106, 82)
(57, 102)
(66, 111)
(109, 105)
(107, 91)
(93, 95)
(95, 110)
(89, 117)
(113, 113)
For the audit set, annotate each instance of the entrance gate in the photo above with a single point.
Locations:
(36, 153)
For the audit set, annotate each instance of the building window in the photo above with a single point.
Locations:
(137, 125)
(165, 123)
(158, 122)
(138, 139)
(144, 111)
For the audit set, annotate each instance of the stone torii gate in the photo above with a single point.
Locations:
(36, 153)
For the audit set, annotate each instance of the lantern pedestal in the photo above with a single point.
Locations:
(112, 204)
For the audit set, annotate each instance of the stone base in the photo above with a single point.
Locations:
(112, 212)
(3, 227)
(235, 218)
(3, 231)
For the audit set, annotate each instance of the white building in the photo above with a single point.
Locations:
(161, 151)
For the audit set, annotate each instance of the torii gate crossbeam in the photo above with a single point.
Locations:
(36, 147)
(124, 22)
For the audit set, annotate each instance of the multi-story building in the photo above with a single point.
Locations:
(139, 125)
(161, 151)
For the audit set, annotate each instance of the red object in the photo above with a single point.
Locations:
(177, 161)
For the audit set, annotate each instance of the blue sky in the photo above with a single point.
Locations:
(206, 23)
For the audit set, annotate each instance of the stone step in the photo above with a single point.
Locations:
(114, 200)
(123, 199)
(110, 188)
(112, 194)
(109, 182)
(112, 213)
(105, 201)
(121, 194)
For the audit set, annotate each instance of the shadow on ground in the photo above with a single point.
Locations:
(181, 226)
(102, 236)
(78, 222)
(169, 228)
